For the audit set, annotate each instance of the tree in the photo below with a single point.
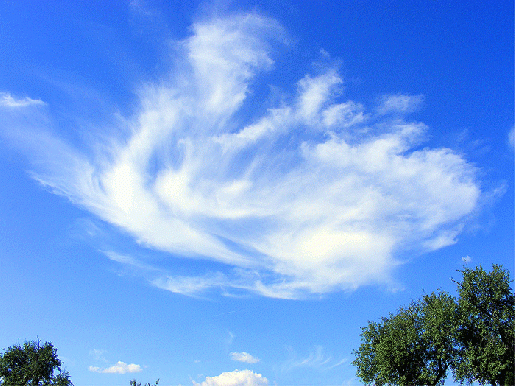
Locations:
(486, 333)
(412, 347)
(472, 336)
(32, 365)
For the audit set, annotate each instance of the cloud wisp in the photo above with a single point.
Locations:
(316, 359)
(7, 100)
(244, 357)
(315, 195)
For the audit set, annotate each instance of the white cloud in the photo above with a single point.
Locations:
(511, 138)
(314, 93)
(98, 355)
(310, 197)
(243, 357)
(191, 285)
(7, 100)
(466, 259)
(119, 368)
(316, 359)
(399, 103)
(128, 261)
(235, 378)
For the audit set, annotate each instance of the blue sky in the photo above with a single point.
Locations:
(225, 193)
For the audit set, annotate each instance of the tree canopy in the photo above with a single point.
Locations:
(486, 332)
(473, 336)
(32, 364)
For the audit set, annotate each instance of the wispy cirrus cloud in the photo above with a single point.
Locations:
(7, 100)
(98, 354)
(235, 378)
(400, 103)
(315, 195)
(316, 359)
(243, 357)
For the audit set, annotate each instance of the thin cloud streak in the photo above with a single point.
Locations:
(400, 103)
(315, 195)
(7, 100)
(315, 360)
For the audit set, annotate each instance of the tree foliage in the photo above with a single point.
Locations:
(411, 347)
(32, 364)
(472, 336)
(486, 327)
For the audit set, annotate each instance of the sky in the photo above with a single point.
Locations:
(224, 193)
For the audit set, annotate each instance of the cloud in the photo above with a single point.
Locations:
(243, 357)
(235, 378)
(119, 368)
(511, 138)
(399, 103)
(128, 261)
(314, 195)
(191, 285)
(98, 355)
(466, 259)
(7, 100)
(315, 360)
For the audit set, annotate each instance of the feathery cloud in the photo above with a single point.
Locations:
(316, 359)
(310, 197)
(400, 103)
(98, 355)
(7, 100)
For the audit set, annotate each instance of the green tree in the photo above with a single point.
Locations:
(486, 332)
(412, 347)
(32, 365)
(472, 336)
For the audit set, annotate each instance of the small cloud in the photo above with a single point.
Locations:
(190, 285)
(243, 357)
(235, 378)
(127, 260)
(7, 100)
(140, 7)
(98, 355)
(466, 259)
(231, 338)
(511, 138)
(316, 359)
(119, 368)
(400, 103)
